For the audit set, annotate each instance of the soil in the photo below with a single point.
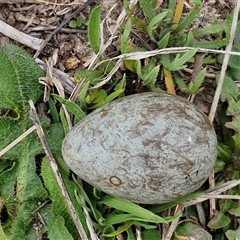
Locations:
(40, 18)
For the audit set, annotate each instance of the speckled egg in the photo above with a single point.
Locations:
(149, 148)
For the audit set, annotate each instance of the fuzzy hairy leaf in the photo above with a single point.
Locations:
(20, 186)
(59, 206)
(18, 79)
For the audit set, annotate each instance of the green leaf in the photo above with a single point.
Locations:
(212, 29)
(91, 75)
(233, 234)
(64, 121)
(178, 62)
(20, 186)
(154, 23)
(190, 39)
(189, 19)
(125, 41)
(119, 230)
(94, 28)
(147, 9)
(192, 231)
(229, 89)
(181, 84)
(184, 199)
(72, 107)
(151, 234)
(129, 207)
(151, 77)
(211, 44)
(130, 234)
(235, 212)
(53, 110)
(18, 79)
(97, 215)
(220, 220)
(172, 5)
(114, 95)
(56, 226)
(59, 206)
(73, 24)
(194, 87)
(163, 43)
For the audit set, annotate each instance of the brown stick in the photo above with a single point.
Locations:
(53, 163)
(61, 25)
(32, 42)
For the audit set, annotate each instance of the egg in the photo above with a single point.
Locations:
(149, 148)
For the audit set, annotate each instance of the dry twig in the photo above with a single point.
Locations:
(53, 164)
(19, 36)
(218, 92)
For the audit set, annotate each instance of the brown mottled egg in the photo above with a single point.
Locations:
(149, 148)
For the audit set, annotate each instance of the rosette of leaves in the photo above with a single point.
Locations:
(27, 181)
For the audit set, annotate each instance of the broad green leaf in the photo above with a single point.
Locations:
(151, 234)
(129, 207)
(233, 234)
(192, 231)
(72, 107)
(235, 212)
(56, 227)
(220, 220)
(20, 186)
(150, 65)
(181, 84)
(122, 83)
(59, 206)
(229, 89)
(94, 28)
(18, 79)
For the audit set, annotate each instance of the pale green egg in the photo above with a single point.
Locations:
(149, 148)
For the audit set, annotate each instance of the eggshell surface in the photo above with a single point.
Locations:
(149, 148)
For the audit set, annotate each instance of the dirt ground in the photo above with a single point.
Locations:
(39, 18)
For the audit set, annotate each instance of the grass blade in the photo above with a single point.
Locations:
(129, 207)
